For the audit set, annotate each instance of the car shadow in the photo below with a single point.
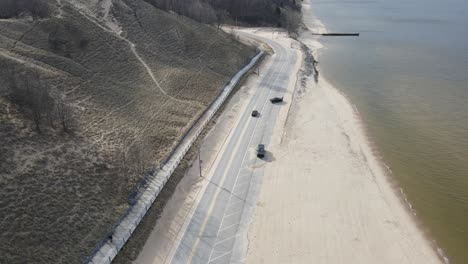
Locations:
(280, 103)
(269, 157)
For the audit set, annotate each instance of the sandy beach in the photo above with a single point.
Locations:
(326, 197)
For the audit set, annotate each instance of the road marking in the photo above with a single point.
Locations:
(226, 228)
(212, 169)
(211, 260)
(218, 190)
(224, 240)
(215, 197)
(236, 212)
(243, 158)
(235, 203)
(239, 194)
(242, 184)
(271, 76)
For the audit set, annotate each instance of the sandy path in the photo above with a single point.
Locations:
(326, 198)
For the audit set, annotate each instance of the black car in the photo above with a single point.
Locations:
(275, 100)
(261, 151)
(255, 113)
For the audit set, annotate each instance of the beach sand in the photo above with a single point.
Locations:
(326, 198)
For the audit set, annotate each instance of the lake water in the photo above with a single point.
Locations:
(407, 74)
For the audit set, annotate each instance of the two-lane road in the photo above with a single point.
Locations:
(215, 230)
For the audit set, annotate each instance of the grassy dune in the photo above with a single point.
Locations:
(61, 191)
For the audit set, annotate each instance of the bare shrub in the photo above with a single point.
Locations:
(65, 37)
(83, 43)
(256, 12)
(221, 17)
(63, 113)
(291, 20)
(32, 94)
(137, 158)
(134, 159)
(35, 97)
(202, 12)
(15, 8)
(8, 9)
(37, 8)
(198, 10)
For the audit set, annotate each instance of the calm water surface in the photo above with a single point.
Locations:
(408, 75)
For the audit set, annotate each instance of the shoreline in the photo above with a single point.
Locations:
(373, 149)
(274, 215)
(394, 184)
(391, 180)
(374, 198)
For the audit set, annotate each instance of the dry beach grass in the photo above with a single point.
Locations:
(132, 96)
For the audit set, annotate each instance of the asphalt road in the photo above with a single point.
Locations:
(217, 230)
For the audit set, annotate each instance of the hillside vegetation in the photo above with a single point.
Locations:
(92, 94)
(277, 13)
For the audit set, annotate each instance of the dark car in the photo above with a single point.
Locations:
(255, 113)
(261, 151)
(275, 100)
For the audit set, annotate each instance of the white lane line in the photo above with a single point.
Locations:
(218, 190)
(231, 214)
(241, 193)
(231, 226)
(216, 163)
(213, 201)
(211, 260)
(234, 203)
(244, 179)
(224, 240)
(219, 253)
(242, 184)
(210, 174)
(273, 77)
